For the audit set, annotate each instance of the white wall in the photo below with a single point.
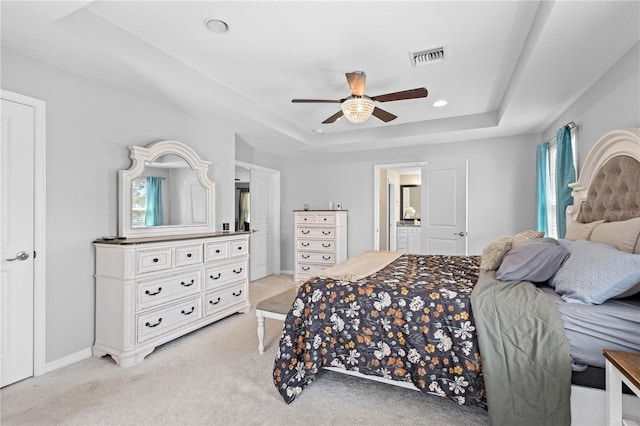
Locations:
(89, 127)
(612, 103)
(501, 188)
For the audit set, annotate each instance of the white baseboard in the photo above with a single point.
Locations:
(68, 360)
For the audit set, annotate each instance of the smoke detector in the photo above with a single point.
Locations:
(427, 57)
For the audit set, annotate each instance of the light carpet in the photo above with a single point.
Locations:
(215, 376)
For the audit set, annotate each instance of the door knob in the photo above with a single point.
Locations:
(254, 230)
(22, 255)
(460, 234)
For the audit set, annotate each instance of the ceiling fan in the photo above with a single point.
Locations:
(359, 107)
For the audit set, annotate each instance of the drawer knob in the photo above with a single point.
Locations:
(217, 251)
(215, 278)
(193, 308)
(147, 292)
(148, 324)
(326, 245)
(326, 232)
(216, 302)
(326, 257)
(304, 244)
(305, 256)
(155, 260)
(188, 254)
(305, 219)
(237, 294)
(238, 271)
(325, 219)
(187, 284)
(305, 268)
(305, 231)
(240, 247)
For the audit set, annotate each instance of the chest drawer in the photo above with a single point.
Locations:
(155, 323)
(305, 218)
(219, 275)
(305, 269)
(188, 255)
(153, 260)
(239, 248)
(318, 245)
(216, 251)
(316, 257)
(157, 291)
(215, 301)
(316, 233)
(325, 219)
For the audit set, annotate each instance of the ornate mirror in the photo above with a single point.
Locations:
(166, 191)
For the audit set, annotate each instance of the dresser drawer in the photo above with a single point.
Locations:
(153, 260)
(325, 219)
(239, 248)
(316, 233)
(308, 269)
(328, 258)
(188, 255)
(317, 245)
(217, 300)
(218, 275)
(216, 251)
(305, 218)
(158, 291)
(162, 320)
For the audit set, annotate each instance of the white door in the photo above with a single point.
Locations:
(17, 242)
(262, 197)
(444, 206)
(392, 217)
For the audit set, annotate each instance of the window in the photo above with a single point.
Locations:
(551, 184)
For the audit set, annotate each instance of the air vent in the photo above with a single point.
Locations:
(427, 57)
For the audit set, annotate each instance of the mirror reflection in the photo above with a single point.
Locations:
(167, 193)
(410, 201)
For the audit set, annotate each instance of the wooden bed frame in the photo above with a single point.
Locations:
(588, 405)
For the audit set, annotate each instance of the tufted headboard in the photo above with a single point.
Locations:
(609, 186)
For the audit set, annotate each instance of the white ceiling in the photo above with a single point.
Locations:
(511, 66)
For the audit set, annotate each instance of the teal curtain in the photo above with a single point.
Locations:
(542, 179)
(153, 214)
(565, 174)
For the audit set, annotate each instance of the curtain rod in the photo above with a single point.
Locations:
(571, 125)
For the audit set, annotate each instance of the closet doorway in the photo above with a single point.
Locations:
(257, 210)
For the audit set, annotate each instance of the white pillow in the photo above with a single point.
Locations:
(596, 272)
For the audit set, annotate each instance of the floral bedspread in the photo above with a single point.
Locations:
(411, 321)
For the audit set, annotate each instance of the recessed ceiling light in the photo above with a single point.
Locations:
(216, 26)
(440, 103)
(317, 131)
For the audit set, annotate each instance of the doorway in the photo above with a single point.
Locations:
(23, 270)
(257, 210)
(389, 181)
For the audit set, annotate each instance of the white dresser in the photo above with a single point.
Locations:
(408, 239)
(152, 290)
(321, 241)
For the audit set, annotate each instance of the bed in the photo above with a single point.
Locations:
(470, 328)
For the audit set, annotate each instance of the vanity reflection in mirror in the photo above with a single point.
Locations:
(166, 191)
(410, 201)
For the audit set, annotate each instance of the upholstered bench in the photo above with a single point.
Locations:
(276, 307)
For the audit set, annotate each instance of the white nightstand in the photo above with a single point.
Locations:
(621, 367)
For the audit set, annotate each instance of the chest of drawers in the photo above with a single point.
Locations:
(320, 241)
(150, 291)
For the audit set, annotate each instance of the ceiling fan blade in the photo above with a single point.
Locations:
(318, 101)
(383, 115)
(399, 96)
(356, 82)
(333, 118)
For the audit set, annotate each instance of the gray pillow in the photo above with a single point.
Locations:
(596, 272)
(533, 261)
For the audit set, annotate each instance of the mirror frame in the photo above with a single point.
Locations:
(140, 157)
(402, 187)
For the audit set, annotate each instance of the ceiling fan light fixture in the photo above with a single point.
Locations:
(216, 26)
(357, 109)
